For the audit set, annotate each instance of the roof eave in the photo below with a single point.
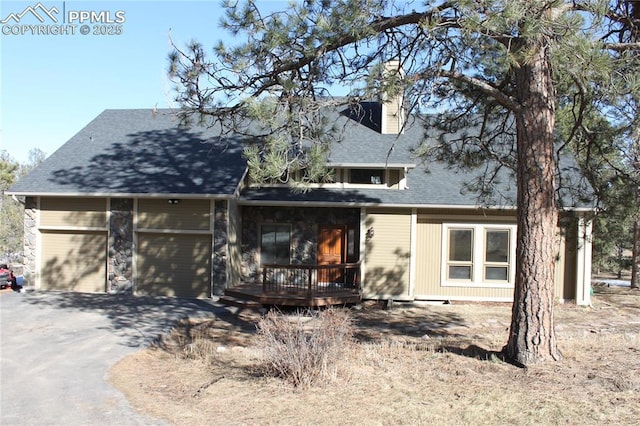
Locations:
(372, 165)
(117, 195)
(280, 203)
(275, 203)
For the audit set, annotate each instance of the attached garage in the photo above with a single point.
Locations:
(75, 261)
(174, 247)
(174, 265)
(73, 233)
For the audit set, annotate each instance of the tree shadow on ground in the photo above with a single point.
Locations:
(374, 321)
(441, 330)
(477, 352)
(140, 320)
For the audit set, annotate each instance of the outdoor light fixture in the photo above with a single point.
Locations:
(370, 233)
(174, 201)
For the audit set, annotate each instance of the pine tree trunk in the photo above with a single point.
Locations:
(635, 152)
(635, 255)
(532, 334)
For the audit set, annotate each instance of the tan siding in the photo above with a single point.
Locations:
(565, 273)
(185, 215)
(468, 293)
(387, 254)
(76, 212)
(74, 261)
(174, 265)
(428, 249)
(429, 256)
(428, 261)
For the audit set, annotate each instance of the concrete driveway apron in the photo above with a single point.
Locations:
(56, 350)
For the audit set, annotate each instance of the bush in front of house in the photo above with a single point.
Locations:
(306, 348)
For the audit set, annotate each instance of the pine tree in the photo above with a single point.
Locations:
(10, 217)
(493, 59)
(12, 209)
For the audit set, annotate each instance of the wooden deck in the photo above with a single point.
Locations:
(254, 293)
(299, 285)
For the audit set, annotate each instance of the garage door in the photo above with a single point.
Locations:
(173, 265)
(74, 261)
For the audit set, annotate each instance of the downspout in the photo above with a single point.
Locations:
(583, 261)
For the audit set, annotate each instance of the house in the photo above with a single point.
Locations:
(135, 202)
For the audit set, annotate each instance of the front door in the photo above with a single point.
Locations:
(331, 250)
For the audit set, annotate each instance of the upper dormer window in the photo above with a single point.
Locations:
(347, 177)
(367, 176)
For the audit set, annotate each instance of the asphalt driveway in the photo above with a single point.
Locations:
(56, 350)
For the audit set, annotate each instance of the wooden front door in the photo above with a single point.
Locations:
(331, 250)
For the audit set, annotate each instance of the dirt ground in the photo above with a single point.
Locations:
(412, 364)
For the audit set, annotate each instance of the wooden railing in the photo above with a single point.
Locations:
(310, 280)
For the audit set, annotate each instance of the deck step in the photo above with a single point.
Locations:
(240, 303)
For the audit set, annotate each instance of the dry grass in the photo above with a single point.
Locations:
(412, 365)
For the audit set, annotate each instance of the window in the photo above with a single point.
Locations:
(478, 254)
(275, 243)
(496, 255)
(367, 176)
(460, 259)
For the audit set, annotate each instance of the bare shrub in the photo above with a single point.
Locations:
(190, 340)
(200, 348)
(306, 348)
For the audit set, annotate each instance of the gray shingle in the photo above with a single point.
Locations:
(139, 152)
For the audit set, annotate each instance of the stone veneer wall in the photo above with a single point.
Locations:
(220, 240)
(304, 232)
(120, 262)
(30, 240)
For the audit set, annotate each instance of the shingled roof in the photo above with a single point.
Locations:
(145, 153)
(139, 152)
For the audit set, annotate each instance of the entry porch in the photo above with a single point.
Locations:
(300, 285)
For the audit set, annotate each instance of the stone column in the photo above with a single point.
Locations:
(120, 261)
(30, 241)
(220, 242)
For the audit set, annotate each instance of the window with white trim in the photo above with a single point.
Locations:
(496, 254)
(478, 254)
(460, 256)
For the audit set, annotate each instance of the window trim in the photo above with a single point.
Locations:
(493, 264)
(478, 258)
(460, 263)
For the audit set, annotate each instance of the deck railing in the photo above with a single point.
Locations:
(310, 280)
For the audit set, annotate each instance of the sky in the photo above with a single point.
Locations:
(52, 85)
